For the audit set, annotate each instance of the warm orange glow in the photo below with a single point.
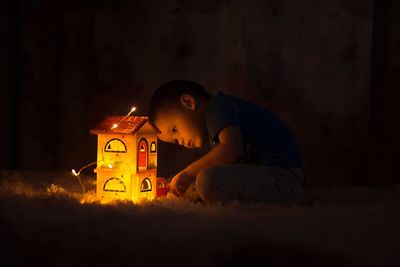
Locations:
(125, 171)
(132, 110)
(128, 174)
(84, 167)
(127, 115)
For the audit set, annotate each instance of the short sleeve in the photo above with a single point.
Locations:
(220, 113)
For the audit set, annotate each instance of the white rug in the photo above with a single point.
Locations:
(43, 223)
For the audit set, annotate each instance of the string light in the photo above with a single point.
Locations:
(76, 174)
(84, 167)
(127, 115)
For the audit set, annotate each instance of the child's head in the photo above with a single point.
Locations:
(177, 109)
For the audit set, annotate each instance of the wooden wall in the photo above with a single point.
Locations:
(72, 63)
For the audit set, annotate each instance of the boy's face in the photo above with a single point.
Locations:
(184, 125)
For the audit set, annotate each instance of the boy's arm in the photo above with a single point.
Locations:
(229, 149)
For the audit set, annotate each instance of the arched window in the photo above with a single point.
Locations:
(114, 184)
(115, 145)
(146, 185)
(153, 147)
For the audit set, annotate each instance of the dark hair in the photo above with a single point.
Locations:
(168, 94)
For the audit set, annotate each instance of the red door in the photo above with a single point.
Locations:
(142, 155)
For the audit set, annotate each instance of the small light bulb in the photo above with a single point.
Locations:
(114, 126)
(110, 166)
(130, 112)
(74, 172)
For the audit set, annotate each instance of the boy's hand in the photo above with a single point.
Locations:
(180, 183)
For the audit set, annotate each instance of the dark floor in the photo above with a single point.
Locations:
(44, 223)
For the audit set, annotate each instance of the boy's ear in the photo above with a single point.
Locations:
(188, 101)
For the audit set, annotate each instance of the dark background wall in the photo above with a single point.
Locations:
(328, 68)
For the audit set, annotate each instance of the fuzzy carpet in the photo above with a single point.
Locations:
(43, 223)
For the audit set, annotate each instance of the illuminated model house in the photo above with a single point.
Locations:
(126, 159)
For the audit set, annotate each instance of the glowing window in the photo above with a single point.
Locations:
(115, 145)
(146, 185)
(153, 147)
(114, 185)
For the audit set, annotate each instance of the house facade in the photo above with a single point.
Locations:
(126, 159)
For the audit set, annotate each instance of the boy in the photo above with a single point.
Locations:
(253, 157)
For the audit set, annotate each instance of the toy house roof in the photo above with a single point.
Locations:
(126, 125)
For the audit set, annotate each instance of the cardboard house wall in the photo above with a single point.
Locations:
(131, 149)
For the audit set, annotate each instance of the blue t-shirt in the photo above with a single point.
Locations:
(267, 140)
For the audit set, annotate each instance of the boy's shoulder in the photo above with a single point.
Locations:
(267, 139)
(225, 110)
(221, 104)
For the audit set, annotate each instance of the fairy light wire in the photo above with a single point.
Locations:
(126, 116)
(76, 174)
(82, 186)
(129, 113)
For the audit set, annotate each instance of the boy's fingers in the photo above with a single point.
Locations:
(173, 190)
(177, 191)
(175, 194)
(179, 188)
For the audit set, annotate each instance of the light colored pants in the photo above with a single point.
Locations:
(246, 183)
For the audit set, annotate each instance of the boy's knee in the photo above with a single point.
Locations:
(205, 184)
